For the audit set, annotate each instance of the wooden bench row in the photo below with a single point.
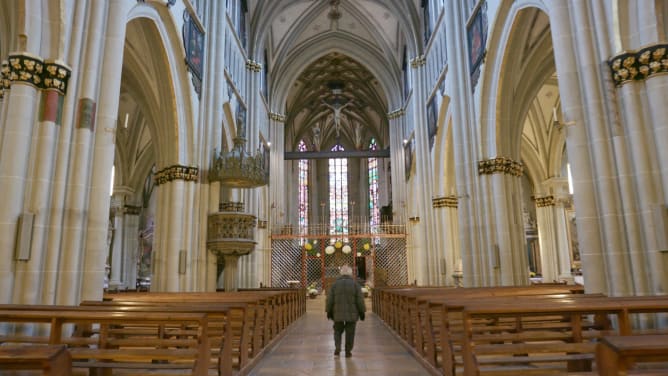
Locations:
(508, 330)
(197, 333)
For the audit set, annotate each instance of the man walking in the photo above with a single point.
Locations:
(345, 305)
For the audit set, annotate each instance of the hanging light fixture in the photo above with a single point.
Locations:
(238, 168)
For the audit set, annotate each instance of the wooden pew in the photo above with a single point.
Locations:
(418, 315)
(617, 355)
(269, 312)
(177, 341)
(229, 328)
(53, 360)
(503, 349)
(444, 331)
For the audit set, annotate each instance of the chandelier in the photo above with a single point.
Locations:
(238, 168)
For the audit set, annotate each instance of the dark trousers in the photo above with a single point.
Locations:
(349, 327)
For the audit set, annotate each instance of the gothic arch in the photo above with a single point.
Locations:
(406, 14)
(172, 115)
(288, 71)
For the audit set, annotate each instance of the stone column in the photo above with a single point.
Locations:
(85, 23)
(429, 254)
(118, 252)
(30, 277)
(25, 74)
(547, 237)
(103, 150)
(642, 193)
(117, 234)
(508, 256)
(171, 255)
(395, 119)
(131, 250)
(277, 194)
(464, 149)
(215, 94)
(577, 141)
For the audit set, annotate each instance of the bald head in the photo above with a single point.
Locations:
(346, 270)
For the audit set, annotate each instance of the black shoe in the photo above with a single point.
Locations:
(348, 354)
(336, 352)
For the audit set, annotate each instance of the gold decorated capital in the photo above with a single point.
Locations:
(32, 70)
(444, 202)
(418, 61)
(500, 165)
(277, 117)
(254, 66)
(544, 201)
(639, 65)
(25, 68)
(56, 76)
(4, 77)
(176, 172)
(396, 114)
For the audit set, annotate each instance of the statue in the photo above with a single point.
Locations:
(337, 107)
(358, 135)
(316, 137)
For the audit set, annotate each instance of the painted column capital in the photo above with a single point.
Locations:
(500, 165)
(22, 67)
(176, 172)
(418, 61)
(277, 117)
(253, 66)
(445, 202)
(25, 68)
(56, 76)
(639, 65)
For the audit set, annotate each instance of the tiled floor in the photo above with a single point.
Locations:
(308, 349)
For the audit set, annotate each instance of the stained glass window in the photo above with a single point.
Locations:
(303, 190)
(374, 210)
(338, 194)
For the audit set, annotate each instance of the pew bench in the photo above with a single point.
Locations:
(573, 353)
(166, 346)
(618, 355)
(51, 360)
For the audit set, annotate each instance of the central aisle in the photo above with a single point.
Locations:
(308, 349)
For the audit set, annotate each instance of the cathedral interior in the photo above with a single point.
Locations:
(194, 145)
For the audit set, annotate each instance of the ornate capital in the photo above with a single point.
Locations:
(277, 117)
(396, 113)
(26, 68)
(253, 65)
(4, 78)
(56, 76)
(32, 70)
(418, 61)
(132, 209)
(639, 65)
(500, 165)
(545, 201)
(176, 172)
(444, 202)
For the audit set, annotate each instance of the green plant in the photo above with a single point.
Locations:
(310, 249)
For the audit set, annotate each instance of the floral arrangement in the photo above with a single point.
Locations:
(365, 249)
(312, 289)
(310, 249)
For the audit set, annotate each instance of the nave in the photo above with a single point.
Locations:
(308, 348)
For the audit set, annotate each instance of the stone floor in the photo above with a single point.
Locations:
(308, 349)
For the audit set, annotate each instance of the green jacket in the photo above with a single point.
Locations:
(345, 300)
